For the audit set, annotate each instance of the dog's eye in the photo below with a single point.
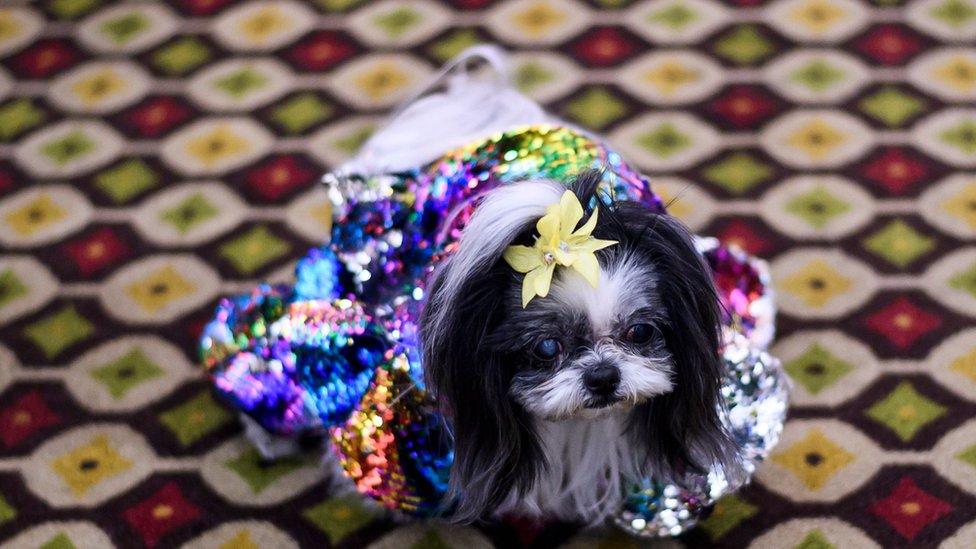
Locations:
(640, 333)
(547, 349)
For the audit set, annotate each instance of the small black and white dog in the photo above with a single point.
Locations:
(557, 406)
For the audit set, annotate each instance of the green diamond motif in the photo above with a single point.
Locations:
(126, 180)
(254, 249)
(339, 517)
(126, 372)
(65, 149)
(596, 108)
(962, 136)
(126, 27)
(191, 212)
(968, 455)
(301, 112)
(818, 75)
(242, 82)
(817, 207)
(10, 287)
(738, 172)
(260, 473)
(899, 243)
(17, 117)
(181, 56)
(337, 5)
(58, 331)
(892, 106)
(430, 540)
(965, 280)
(453, 44)
(817, 369)
(195, 418)
(954, 13)
(676, 16)
(60, 541)
(744, 45)
(397, 22)
(532, 75)
(814, 540)
(71, 9)
(664, 141)
(7, 512)
(906, 411)
(350, 143)
(729, 512)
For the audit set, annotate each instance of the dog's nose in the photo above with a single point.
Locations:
(602, 380)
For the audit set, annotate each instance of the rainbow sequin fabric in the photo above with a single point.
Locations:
(337, 352)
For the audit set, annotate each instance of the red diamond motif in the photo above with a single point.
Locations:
(321, 51)
(157, 116)
(604, 47)
(45, 58)
(202, 7)
(743, 235)
(280, 176)
(909, 509)
(161, 513)
(745, 107)
(889, 44)
(7, 180)
(95, 252)
(25, 417)
(896, 170)
(902, 322)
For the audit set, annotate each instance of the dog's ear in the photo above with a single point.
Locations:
(682, 431)
(495, 445)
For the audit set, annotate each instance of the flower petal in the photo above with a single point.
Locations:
(536, 282)
(522, 258)
(587, 229)
(587, 265)
(591, 245)
(570, 213)
(548, 225)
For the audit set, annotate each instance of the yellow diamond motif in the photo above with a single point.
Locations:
(962, 205)
(814, 460)
(817, 139)
(242, 540)
(670, 76)
(818, 15)
(958, 73)
(217, 144)
(96, 87)
(35, 215)
(86, 466)
(160, 288)
(537, 19)
(676, 206)
(966, 364)
(323, 214)
(9, 26)
(263, 24)
(817, 283)
(381, 80)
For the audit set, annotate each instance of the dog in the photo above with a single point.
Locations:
(556, 406)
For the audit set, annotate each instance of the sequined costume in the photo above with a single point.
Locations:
(337, 352)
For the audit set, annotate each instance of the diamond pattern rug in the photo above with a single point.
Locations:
(157, 155)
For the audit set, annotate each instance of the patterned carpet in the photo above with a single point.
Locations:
(154, 156)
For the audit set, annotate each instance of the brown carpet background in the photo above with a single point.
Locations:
(157, 155)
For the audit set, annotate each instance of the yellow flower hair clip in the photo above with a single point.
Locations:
(558, 244)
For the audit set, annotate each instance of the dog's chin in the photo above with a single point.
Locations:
(597, 408)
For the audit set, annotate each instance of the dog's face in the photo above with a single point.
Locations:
(585, 351)
(643, 342)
